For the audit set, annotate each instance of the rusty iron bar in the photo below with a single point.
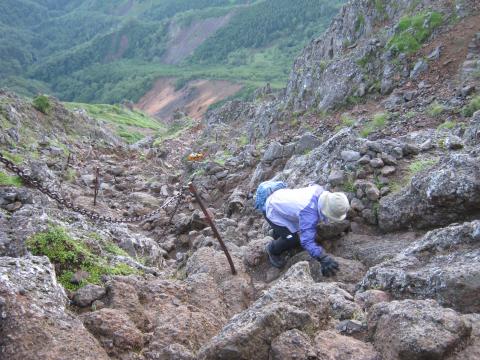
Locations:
(193, 190)
(68, 160)
(97, 173)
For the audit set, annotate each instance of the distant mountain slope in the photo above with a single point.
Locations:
(110, 50)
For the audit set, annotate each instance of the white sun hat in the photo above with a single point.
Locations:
(334, 205)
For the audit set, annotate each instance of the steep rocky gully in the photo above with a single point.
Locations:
(384, 106)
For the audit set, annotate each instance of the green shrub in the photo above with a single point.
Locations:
(69, 256)
(472, 107)
(435, 109)
(413, 31)
(42, 104)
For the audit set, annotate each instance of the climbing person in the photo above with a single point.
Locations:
(294, 214)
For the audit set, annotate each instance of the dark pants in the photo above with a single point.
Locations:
(285, 240)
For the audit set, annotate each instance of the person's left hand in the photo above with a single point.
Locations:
(329, 266)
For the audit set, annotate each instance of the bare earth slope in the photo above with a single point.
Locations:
(193, 99)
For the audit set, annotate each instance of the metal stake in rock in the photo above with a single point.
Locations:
(193, 190)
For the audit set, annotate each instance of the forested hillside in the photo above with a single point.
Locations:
(110, 50)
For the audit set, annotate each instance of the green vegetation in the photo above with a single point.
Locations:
(421, 165)
(15, 158)
(378, 122)
(125, 120)
(472, 107)
(436, 109)
(70, 255)
(447, 125)
(117, 114)
(6, 180)
(413, 31)
(114, 249)
(173, 131)
(346, 121)
(42, 104)
(107, 51)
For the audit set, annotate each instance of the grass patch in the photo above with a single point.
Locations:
(114, 249)
(6, 180)
(378, 122)
(15, 158)
(436, 109)
(413, 31)
(420, 165)
(70, 255)
(472, 107)
(118, 115)
(447, 125)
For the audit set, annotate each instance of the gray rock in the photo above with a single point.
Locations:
(435, 54)
(388, 170)
(372, 193)
(414, 330)
(376, 163)
(350, 155)
(35, 322)
(364, 160)
(86, 295)
(472, 133)
(273, 152)
(369, 298)
(357, 205)
(336, 177)
(444, 265)
(369, 216)
(420, 67)
(307, 142)
(294, 302)
(292, 344)
(446, 193)
(331, 345)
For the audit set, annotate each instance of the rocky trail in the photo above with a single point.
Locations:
(396, 130)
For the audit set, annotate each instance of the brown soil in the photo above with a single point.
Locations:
(193, 99)
(184, 41)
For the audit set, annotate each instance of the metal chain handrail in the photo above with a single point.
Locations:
(29, 180)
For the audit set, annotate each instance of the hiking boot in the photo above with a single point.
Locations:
(276, 260)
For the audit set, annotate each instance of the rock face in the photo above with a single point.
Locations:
(447, 193)
(411, 330)
(444, 265)
(330, 345)
(294, 302)
(34, 321)
(338, 64)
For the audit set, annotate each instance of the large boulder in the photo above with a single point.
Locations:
(294, 302)
(34, 321)
(416, 329)
(472, 132)
(114, 329)
(444, 265)
(444, 194)
(333, 346)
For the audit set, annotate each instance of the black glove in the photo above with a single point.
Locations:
(329, 266)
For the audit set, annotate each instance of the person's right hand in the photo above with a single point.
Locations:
(329, 266)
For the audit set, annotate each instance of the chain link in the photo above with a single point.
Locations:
(29, 180)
